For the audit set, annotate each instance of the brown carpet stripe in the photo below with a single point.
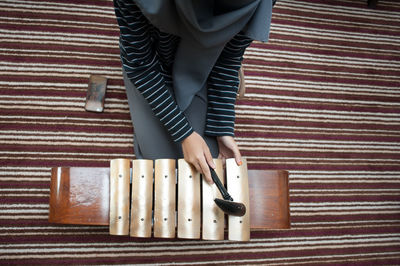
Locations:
(322, 101)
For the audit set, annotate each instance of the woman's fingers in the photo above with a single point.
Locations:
(238, 156)
(209, 158)
(206, 164)
(229, 149)
(197, 153)
(202, 167)
(205, 170)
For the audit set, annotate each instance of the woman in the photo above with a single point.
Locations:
(180, 63)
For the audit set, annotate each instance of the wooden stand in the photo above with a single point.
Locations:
(82, 196)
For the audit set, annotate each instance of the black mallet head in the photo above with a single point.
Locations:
(231, 207)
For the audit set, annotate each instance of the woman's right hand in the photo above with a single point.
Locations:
(197, 153)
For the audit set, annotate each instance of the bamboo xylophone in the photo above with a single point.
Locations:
(156, 199)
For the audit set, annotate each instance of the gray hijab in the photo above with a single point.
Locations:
(204, 26)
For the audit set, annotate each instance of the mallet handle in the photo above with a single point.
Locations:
(220, 186)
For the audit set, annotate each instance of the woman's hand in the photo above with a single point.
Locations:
(228, 149)
(197, 153)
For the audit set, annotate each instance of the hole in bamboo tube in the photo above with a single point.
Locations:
(120, 176)
(189, 220)
(240, 221)
(165, 219)
(141, 219)
(142, 176)
(120, 217)
(215, 221)
(166, 176)
(190, 176)
(238, 176)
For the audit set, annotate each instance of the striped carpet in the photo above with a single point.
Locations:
(323, 101)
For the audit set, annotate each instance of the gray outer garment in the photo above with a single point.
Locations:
(204, 27)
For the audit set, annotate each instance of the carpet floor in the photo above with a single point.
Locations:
(323, 101)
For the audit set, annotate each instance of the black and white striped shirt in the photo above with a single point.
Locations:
(147, 56)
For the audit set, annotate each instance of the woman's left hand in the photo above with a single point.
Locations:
(228, 149)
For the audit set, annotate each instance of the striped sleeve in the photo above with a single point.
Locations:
(223, 84)
(141, 63)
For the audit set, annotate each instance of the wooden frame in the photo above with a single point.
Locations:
(80, 195)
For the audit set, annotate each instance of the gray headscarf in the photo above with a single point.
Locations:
(204, 26)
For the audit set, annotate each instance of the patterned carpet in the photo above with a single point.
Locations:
(323, 101)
